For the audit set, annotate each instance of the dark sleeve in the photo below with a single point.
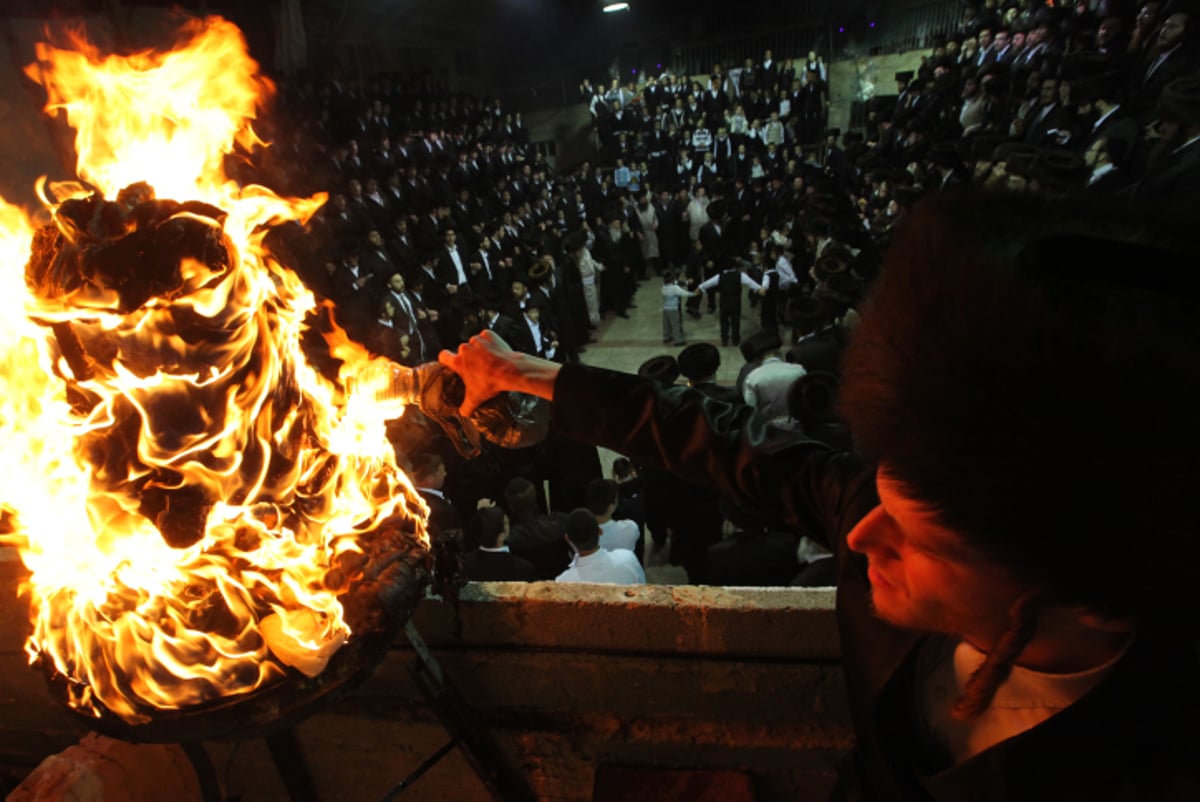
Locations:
(727, 447)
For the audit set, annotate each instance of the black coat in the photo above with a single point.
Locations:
(754, 561)
(497, 566)
(541, 541)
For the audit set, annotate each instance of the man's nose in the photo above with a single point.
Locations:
(871, 533)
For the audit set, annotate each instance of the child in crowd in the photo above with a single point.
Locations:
(672, 311)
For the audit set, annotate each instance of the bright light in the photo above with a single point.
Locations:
(611, 7)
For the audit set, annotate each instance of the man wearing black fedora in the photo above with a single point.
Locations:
(699, 363)
(1016, 564)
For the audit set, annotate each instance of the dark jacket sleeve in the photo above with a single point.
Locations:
(728, 447)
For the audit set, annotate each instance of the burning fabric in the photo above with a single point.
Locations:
(199, 508)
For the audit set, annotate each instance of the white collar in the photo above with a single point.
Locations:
(1105, 116)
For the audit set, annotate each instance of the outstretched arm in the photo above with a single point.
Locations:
(489, 367)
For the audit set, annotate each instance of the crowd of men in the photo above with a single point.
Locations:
(443, 220)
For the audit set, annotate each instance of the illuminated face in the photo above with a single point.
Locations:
(924, 576)
(1172, 31)
(396, 282)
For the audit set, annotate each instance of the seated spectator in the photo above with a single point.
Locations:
(766, 386)
(593, 563)
(602, 496)
(811, 401)
(535, 536)
(819, 569)
(750, 555)
(698, 363)
(492, 561)
(631, 492)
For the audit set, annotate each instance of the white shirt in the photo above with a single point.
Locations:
(787, 276)
(766, 388)
(1096, 125)
(538, 342)
(458, 265)
(619, 567)
(746, 281)
(618, 535)
(1024, 700)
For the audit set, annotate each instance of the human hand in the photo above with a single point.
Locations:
(489, 367)
(484, 503)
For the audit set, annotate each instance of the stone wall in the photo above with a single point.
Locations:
(564, 678)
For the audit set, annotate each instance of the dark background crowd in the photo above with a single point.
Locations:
(444, 220)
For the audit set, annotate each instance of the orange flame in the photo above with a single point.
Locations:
(299, 471)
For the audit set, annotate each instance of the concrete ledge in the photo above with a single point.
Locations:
(782, 623)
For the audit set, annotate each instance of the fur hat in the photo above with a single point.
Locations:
(699, 361)
(1026, 368)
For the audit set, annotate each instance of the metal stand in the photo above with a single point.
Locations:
(291, 765)
(480, 751)
(285, 753)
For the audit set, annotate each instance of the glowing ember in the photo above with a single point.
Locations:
(192, 499)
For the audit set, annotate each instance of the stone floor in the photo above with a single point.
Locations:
(626, 344)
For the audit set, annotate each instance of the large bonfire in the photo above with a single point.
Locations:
(194, 502)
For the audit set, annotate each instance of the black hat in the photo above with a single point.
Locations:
(662, 369)
(813, 396)
(904, 76)
(906, 196)
(1108, 84)
(998, 69)
(759, 343)
(805, 313)
(749, 520)
(490, 300)
(944, 154)
(1180, 101)
(839, 287)
(716, 210)
(1189, 7)
(1082, 66)
(1115, 8)
(1060, 169)
(539, 270)
(983, 146)
(1020, 162)
(699, 361)
(575, 240)
(1009, 150)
